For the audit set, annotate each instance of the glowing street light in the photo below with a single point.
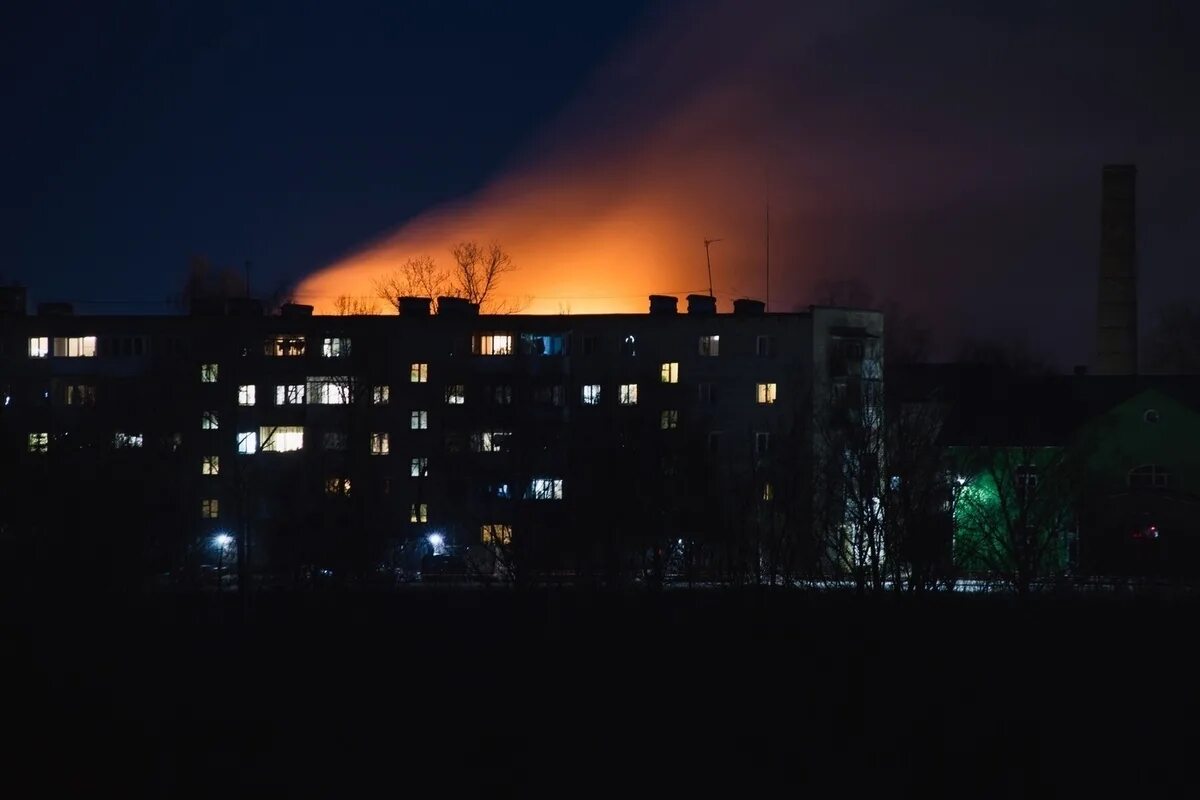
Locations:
(221, 541)
(437, 542)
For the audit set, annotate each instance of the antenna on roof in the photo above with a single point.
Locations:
(708, 259)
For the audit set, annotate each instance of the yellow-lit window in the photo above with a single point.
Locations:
(496, 534)
(210, 508)
(670, 372)
(493, 344)
(39, 442)
(337, 486)
(765, 392)
(208, 373)
(419, 512)
(281, 439)
(39, 346)
(669, 420)
(286, 345)
(418, 373)
(246, 394)
(628, 394)
(380, 395)
(75, 346)
(380, 444)
(768, 491)
(211, 465)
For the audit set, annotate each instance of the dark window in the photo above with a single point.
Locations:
(765, 346)
(587, 345)
(629, 346)
(1149, 476)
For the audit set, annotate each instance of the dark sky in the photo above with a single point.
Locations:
(947, 153)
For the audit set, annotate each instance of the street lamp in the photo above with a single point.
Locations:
(221, 541)
(437, 542)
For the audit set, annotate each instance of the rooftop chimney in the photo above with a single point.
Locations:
(663, 304)
(413, 306)
(701, 304)
(747, 307)
(295, 311)
(1116, 300)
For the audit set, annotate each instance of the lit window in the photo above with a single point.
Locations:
(545, 489)
(335, 347)
(418, 373)
(537, 344)
(247, 443)
(75, 346)
(492, 344)
(629, 346)
(419, 512)
(208, 421)
(764, 346)
(380, 444)
(335, 440)
(128, 439)
(419, 420)
(337, 486)
(704, 392)
(281, 439)
(420, 467)
(246, 395)
(710, 345)
(210, 508)
(39, 346)
(81, 395)
(208, 373)
(762, 443)
(491, 441)
(287, 345)
(591, 394)
(670, 372)
(768, 491)
(496, 534)
(670, 420)
(327, 391)
(500, 491)
(456, 394)
(380, 395)
(765, 392)
(628, 394)
(39, 442)
(211, 465)
(289, 395)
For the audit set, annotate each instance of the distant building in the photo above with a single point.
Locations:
(350, 443)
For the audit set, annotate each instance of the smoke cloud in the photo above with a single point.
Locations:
(945, 158)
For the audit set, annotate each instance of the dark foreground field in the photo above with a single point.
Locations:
(744, 694)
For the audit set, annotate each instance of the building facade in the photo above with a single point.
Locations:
(571, 442)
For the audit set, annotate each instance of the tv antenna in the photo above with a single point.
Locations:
(708, 259)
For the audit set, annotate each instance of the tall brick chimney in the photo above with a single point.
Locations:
(1116, 296)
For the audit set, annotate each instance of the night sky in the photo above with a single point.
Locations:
(946, 153)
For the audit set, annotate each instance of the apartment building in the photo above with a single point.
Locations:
(315, 440)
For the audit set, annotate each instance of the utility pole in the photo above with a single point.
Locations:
(768, 303)
(708, 259)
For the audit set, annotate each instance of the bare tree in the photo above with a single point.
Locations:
(478, 271)
(419, 276)
(347, 305)
(1012, 509)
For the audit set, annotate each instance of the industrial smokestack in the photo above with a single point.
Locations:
(1116, 302)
